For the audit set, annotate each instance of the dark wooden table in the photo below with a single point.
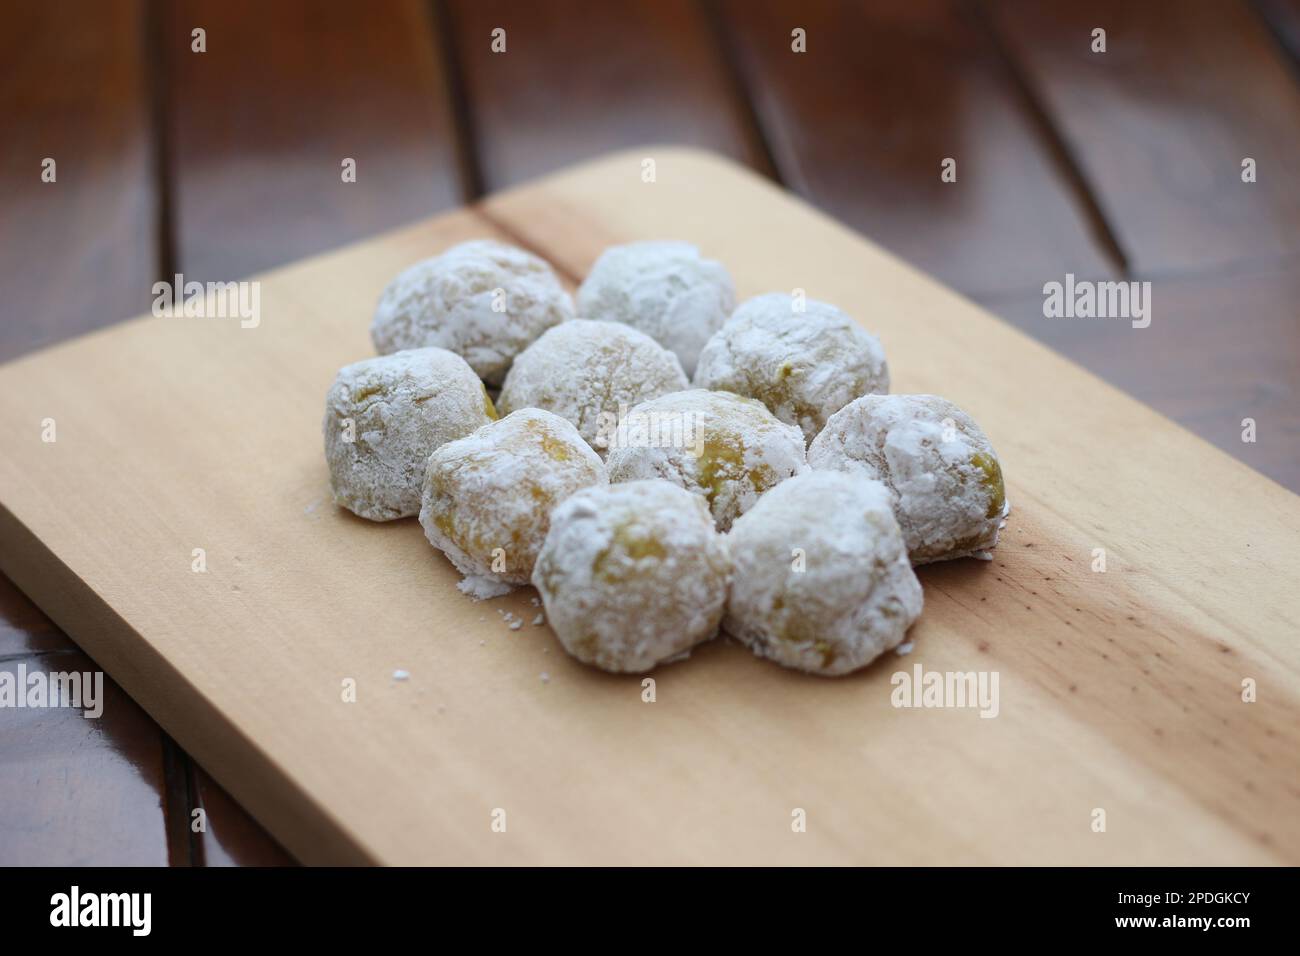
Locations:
(1122, 165)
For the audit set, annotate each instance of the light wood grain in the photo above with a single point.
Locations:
(1118, 691)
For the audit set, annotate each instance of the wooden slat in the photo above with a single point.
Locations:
(1119, 690)
(231, 837)
(78, 253)
(78, 791)
(1283, 18)
(1160, 123)
(1220, 348)
(75, 254)
(861, 122)
(581, 77)
(260, 124)
(24, 629)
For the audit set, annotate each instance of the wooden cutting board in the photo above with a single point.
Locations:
(1118, 691)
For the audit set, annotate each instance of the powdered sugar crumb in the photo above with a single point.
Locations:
(481, 587)
(510, 620)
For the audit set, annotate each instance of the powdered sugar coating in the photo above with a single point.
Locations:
(945, 476)
(804, 366)
(447, 301)
(856, 595)
(401, 407)
(722, 447)
(489, 495)
(585, 371)
(632, 575)
(665, 289)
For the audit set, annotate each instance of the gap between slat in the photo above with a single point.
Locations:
(1040, 118)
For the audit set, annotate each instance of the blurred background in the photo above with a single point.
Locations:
(1125, 164)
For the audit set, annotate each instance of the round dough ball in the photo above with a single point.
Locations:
(664, 289)
(856, 595)
(585, 371)
(944, 474)
(804, 366)
(722, 447)
(384, 417)
(632, 575)
(488, 496)
(448, 301)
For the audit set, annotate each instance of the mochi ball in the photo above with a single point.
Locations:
(484, 300)
(665, 289)
(488, 496)
(803, 365)
(822, 582)
(726, 449)
(383, 418)
(590, 372)
(632, 575)
(942, 471)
